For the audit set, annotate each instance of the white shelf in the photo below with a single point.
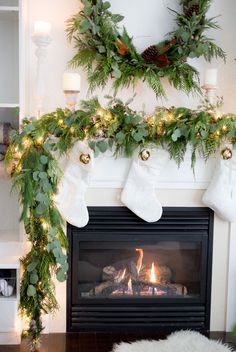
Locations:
(9, 105)
(9, 8)
(11, 298)
(7, 15)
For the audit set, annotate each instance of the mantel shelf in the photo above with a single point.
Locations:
(109, 172)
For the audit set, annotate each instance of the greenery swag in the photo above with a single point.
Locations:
(104, 52)
(35, 174)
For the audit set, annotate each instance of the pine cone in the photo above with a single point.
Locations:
(191, 10)
(162, 61)
(149, 55)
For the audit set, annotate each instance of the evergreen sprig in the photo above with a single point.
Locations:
(32, 158)
(105, 51)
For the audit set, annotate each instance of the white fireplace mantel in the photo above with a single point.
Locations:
(111, 172)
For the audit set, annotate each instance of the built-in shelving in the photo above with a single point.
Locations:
(9, 111)
(9, 58)
(9, 320)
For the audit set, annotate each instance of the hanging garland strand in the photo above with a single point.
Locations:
(36, 173)
(104, 52)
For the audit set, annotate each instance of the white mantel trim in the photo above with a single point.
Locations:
(170, 185)
(231, 294)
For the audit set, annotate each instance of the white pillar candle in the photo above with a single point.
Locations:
(42, 29)
(211, 77)
(71, 82)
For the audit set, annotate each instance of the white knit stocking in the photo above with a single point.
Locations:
(221, 193)
(139, 191)
(71, 190)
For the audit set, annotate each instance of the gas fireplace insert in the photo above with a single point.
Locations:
(126, 274)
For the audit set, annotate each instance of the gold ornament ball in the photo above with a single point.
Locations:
(226, 153)
(144, 155)
(84, 159)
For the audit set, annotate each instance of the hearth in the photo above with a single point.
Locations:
(126, 274)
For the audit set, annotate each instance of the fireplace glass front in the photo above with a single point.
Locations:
(129, 274)
(167, 269)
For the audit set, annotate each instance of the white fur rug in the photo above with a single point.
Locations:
(180, 341)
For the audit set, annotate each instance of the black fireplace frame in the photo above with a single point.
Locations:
(143, 315)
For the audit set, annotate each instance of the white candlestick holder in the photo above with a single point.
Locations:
(71, 97)
(42, 43)
(210, 93)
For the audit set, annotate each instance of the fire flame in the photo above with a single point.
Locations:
(140, 259)
(130, 289)
(153, 278)
(123, 274)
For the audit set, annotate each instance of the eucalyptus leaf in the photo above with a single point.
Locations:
(32, 266)
(35, 175)
(102, 146)
(31, 291)
(138, 136)
(120, 137)
(40, 197)
(106, 5)
(177, 133)
(61, 275)
(204, 134)
(86, 25)
(47, 147)
(117, 18)
(40, 209)
(43, 159)
(192, 55)
(34, 279)
(43, 175)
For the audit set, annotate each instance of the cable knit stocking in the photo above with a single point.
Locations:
(139, 191)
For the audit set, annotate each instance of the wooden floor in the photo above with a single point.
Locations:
(96, 342)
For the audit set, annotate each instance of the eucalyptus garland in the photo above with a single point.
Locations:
(105, 51)
(32, 159)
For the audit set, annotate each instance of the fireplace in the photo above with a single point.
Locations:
(126, 274)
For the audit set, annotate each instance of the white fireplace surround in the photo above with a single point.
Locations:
(175, 187)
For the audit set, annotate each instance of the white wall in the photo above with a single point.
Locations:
(143, 22)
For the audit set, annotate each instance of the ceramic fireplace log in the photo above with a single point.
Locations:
(106, 288)
(139, 287)
(175, 289)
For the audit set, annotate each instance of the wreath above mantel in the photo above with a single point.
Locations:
(104, 52)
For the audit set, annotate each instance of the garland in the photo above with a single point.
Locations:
(104, 52)
(36, 173)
